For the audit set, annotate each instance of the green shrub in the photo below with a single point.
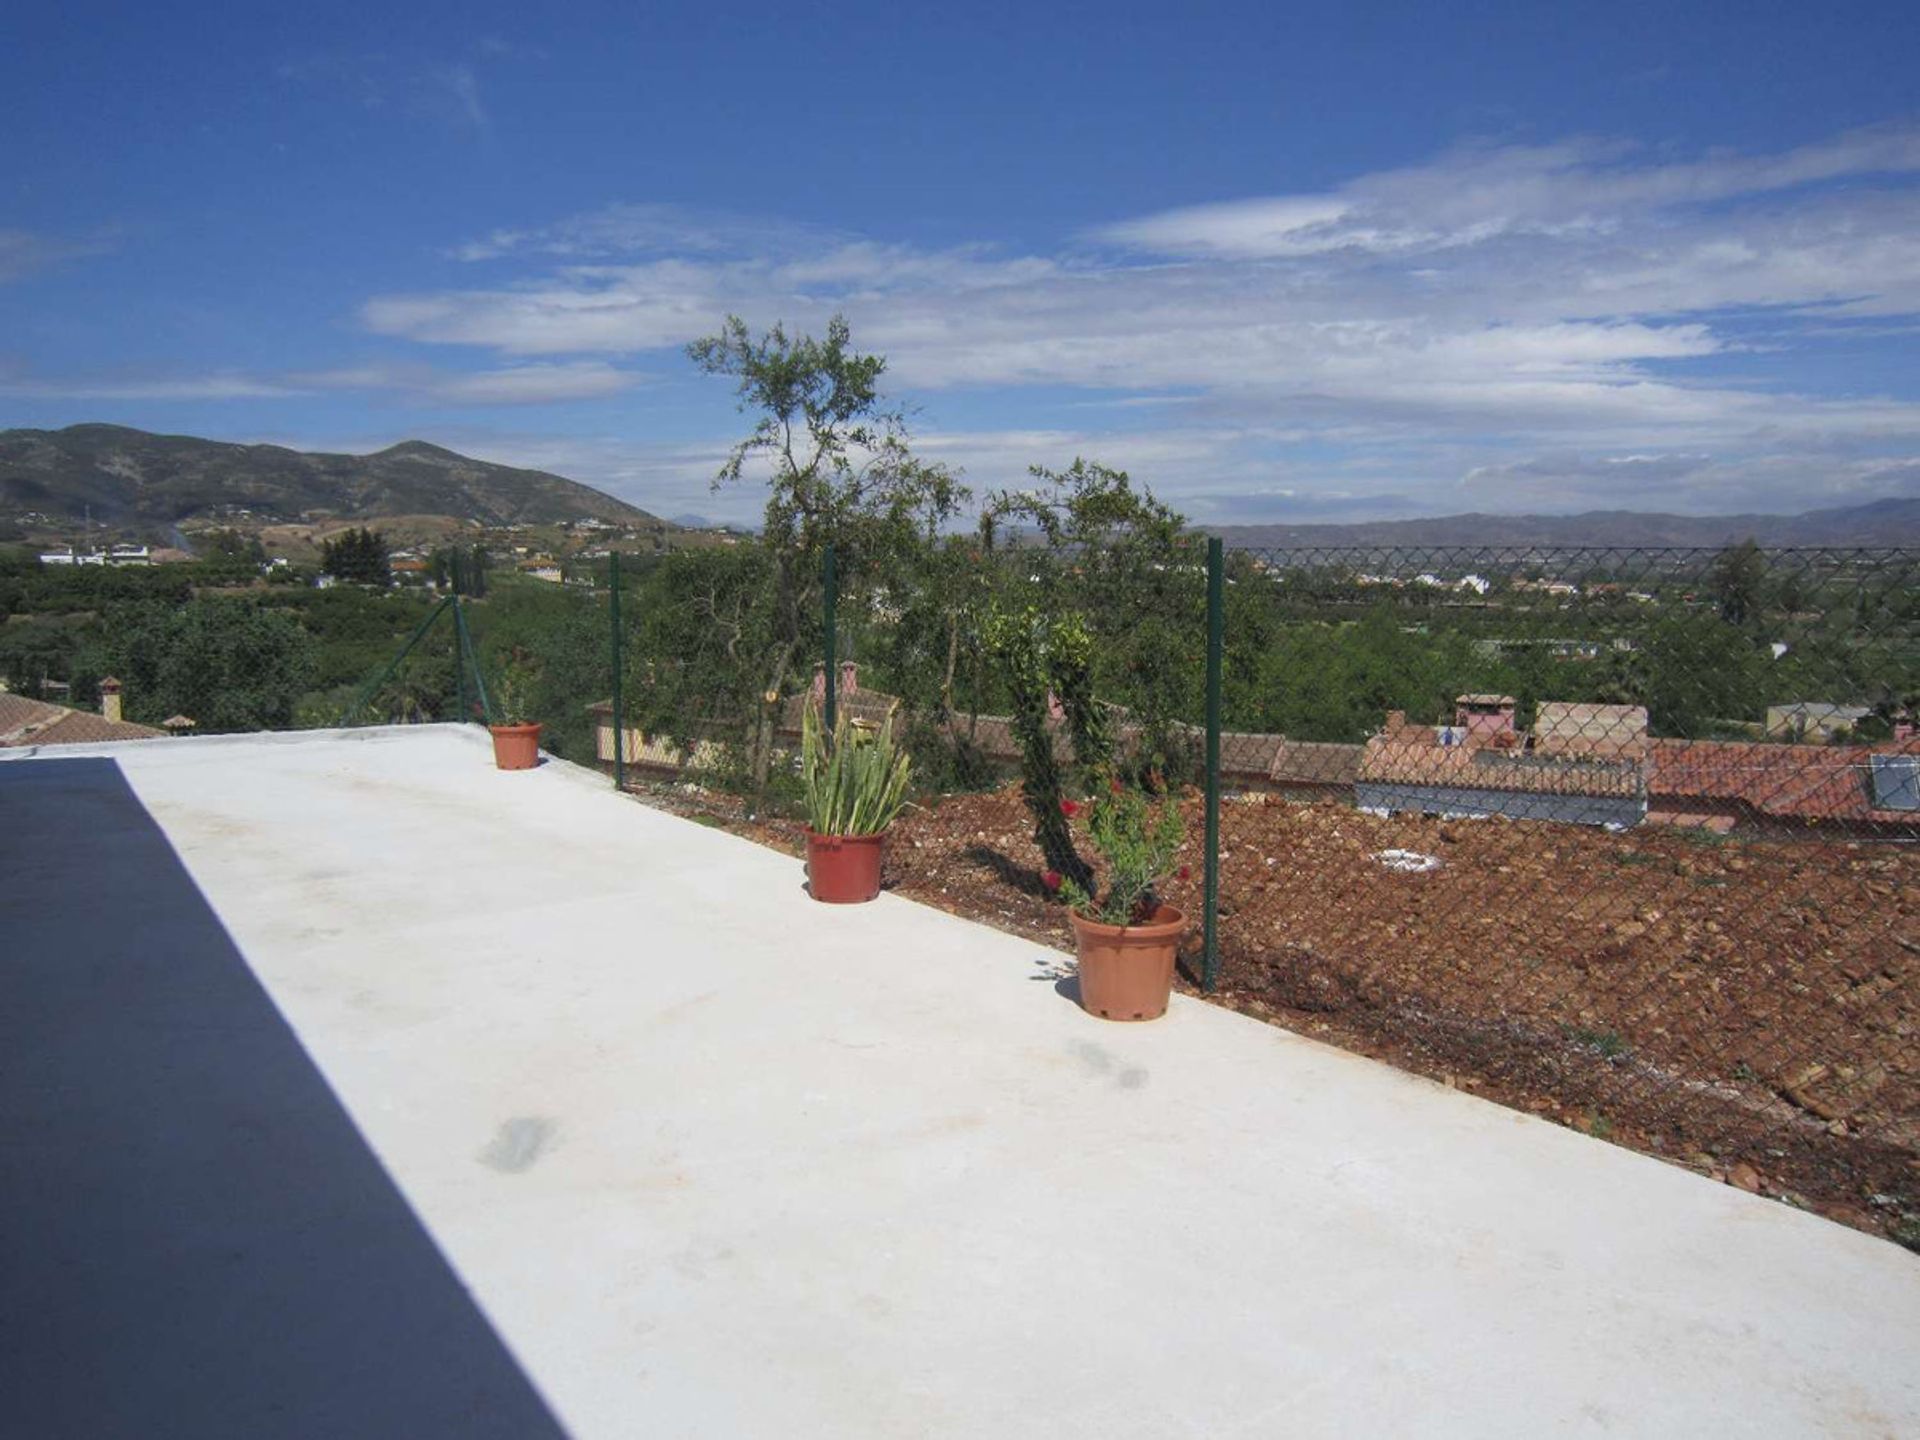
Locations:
(1139, 840)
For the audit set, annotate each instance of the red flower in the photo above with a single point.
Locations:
(1184, 872)
(1069, 808)
(1051, 880)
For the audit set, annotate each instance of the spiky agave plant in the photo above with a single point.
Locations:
(855, 783)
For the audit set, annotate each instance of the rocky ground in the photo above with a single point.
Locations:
(1746, 1008)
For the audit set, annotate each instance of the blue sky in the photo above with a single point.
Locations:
(1283, 263)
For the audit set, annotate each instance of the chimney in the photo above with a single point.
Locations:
(849, 676)
(110, 698)
(1396, 722)
(1484, 717)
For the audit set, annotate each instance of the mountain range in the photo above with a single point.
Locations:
(1878, 523)
(129, 479)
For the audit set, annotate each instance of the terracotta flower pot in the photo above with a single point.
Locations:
(516, 747)
(1126, 971)
(844, 869)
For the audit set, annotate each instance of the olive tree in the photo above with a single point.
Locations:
(839, 471)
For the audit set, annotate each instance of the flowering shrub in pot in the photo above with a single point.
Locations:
(1126, 937)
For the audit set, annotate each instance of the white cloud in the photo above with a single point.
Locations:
(1768, 484)
(1552, 325)
(630, 230)
(220, 386)
(531, 384)
(27, 252)
(451, 92)
(1475, 193)
(1407, 333)
(447, 92)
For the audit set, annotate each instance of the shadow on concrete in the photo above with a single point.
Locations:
(195, 1241)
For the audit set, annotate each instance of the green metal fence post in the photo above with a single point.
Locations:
(472, 654)
(619, 710)
(348, 716)
(1216, 636)
(830, 581)
(459, 662)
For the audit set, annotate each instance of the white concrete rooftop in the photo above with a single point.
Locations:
(354, 1087)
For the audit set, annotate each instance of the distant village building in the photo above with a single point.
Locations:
(1814, 720)
(117, 555)
(1581, 763)
(1481, 765)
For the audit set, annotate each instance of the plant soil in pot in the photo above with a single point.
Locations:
(843, 869)
(1126, 971)
(516, 747)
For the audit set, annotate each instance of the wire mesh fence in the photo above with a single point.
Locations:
(1620, 836)
(1625, 837)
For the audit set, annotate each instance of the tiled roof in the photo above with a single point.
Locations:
(1798, 782)
(1602, 731)
(1413, 755)
(1315, 762)
(860, 706)
(35, 722)
(17, 712)
(1245, 752)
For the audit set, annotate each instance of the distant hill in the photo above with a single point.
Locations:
(1881, 523)
(128, 478)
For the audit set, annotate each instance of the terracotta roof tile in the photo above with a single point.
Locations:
(1800, 782)
(18, 714)
(1316, 762)
(1413, 756)
(35, 722)
(1601, 731)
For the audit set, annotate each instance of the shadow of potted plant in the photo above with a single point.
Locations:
(516, 739)
(1127, 939)
(855, 784)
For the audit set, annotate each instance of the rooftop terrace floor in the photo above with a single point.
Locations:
(349, 1086)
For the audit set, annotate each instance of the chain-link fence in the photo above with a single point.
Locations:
(1624, 837)
(1620, 836)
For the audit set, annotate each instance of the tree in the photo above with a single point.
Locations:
(358, 556)
(1738, 575)
(462, 568)
(1123, 562)
(228, 664)
(231, 545)
(841, 473)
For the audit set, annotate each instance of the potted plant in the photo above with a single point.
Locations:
(1127, 939)
(516, 740)
(855, 785)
